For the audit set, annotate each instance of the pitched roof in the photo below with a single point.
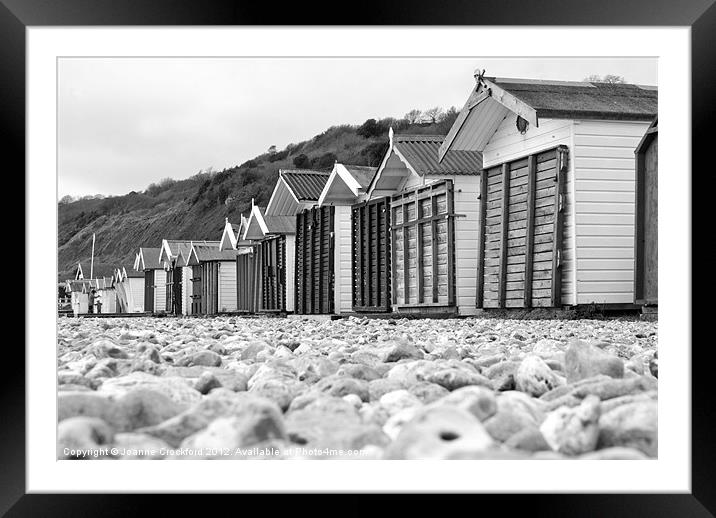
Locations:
(571, 99)
(150, 256)
(98, 270)
(421, 152)
(306, 184)
(362, 174)
(211, 253)
(280, 224)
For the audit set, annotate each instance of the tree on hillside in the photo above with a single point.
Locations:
(271, 150)
(609, 78)
(301, 161)
(434, 114)
(66, 199)
(372, 128)
(325, 161)
(413, 116)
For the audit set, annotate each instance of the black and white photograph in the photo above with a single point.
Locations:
(430, 248)
(348, 258)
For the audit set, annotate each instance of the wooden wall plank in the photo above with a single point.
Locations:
(504, 227)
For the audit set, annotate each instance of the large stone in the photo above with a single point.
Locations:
(280, 390)
(332, 422)
(83, 438)
(219, 403)
(632, 425)
(377, 388)
(397, 400)
(92, 404)
(253, 425)
(204, 358)
(428, 392)
(479, 401)
(534, 377)
(146, 407)
(548, 348)
(107, 349)
(584, 360)
(573, 431)
(206, 382)
(501, 369)
(437, 433)
(402, 350)
(340, 386)
(605, 389)
(528, 439)
(515, 411)
(453, 378)
(179, 390)
(358, 371)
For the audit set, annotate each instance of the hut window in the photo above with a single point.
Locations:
(521, 125)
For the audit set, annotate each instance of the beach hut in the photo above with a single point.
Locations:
(107, 295)
(215, 289)
(129, 285)
(557, 196)
(187, 286)
(646, 223)
(345, 191)
(415, 234)
(78, 295)
(175, 273)
(247, 274)
(273, 231)
(154, 279)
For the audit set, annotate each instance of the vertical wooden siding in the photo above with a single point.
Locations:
(149, 290)
(246, 282)
(423, 246)
(210, 287)
(160, 299)
(342, 250)
(197, 299)
(521, 232)
(315, 261)
(370, 222)
(508, 144)
(273, 277)
(227, 286)
(646, 274)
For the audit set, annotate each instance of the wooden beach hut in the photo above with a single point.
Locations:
(187, 284)
(273, 231)
(346, 191)
(79, 298)
(175, 273)
(154, 279)
(557, 196)
(215, 289)
(419, 219)
(129, 285)
(247, 273)
(646, 224)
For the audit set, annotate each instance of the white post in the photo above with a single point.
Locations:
(92, 260)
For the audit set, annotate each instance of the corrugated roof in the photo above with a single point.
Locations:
(306, 184)
(566, 99)
(421, 151)
(362, 174)
(280, 224)
(211, 253)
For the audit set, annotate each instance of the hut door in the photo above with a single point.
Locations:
(197, 306)
(521, 213)
(273, 251)
(245, 282)
(209, 287)
(314, 261)
(168, 290)
(370, 223)
(646, 224)
(177, 290)
(149, 290)
(423, 246)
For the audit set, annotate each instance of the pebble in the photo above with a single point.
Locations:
(469, 388)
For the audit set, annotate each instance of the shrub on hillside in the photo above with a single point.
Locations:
(325, 161)
(301, 161)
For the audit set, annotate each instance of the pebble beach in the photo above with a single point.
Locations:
(356, 388)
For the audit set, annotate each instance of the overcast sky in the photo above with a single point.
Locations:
(125, 123)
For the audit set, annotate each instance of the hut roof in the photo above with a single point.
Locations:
(149, 258)
(202, 253)
(579, 100)
(280, 224)
(305, 184)
(421, 152)
(362, 174)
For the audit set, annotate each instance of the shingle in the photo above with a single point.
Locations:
(421, 152)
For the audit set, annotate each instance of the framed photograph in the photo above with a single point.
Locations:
(428, 242)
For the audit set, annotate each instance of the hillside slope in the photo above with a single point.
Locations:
(195, 208)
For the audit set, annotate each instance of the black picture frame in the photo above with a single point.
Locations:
(700, 15)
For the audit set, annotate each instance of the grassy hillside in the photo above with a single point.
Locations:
(195, 208)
